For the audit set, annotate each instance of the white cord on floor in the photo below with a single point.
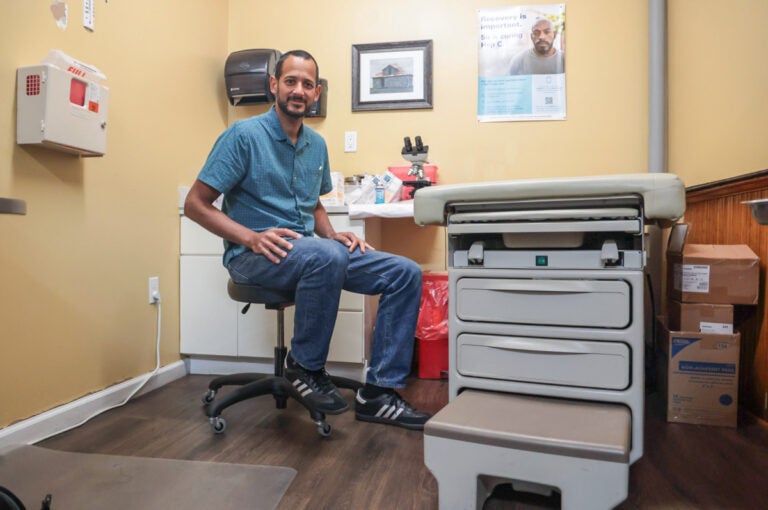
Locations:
(138, 388)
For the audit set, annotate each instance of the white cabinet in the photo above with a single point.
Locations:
(208, 318)
(211, 322)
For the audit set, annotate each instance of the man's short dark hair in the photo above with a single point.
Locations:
(298, 54)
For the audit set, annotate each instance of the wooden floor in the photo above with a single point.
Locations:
(371, 466)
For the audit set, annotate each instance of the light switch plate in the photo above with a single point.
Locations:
(350, 141)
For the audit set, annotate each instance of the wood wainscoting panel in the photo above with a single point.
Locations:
(716, 215)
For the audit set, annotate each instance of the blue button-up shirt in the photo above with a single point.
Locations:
(267, 181)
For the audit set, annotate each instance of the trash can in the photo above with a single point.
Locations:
(432, 327)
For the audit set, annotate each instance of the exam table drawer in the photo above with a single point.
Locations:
(603, 365)
(580, 303)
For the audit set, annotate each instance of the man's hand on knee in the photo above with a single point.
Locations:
(272, 243)
(351, 241)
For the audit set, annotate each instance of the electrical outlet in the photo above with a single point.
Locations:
(350, 141)
(154, 290)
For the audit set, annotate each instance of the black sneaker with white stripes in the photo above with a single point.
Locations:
(315, 387)
(390, 409)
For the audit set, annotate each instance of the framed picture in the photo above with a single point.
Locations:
(392, 76)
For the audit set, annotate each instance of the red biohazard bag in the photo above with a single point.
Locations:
(432, 323)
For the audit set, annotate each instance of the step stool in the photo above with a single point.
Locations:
(482, 439)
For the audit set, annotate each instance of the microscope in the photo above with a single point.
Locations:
(417, 155)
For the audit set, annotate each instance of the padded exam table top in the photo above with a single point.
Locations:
(663, 194)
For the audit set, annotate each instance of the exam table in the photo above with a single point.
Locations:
(546, 333)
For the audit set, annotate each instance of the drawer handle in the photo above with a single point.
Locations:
(540, 345)
(544, 286)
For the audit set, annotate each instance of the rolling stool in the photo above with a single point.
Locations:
(253, 385)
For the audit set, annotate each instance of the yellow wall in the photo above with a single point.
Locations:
(606, 130)
(607, 97)
(74, 312)
(718, 93)
(73, 272)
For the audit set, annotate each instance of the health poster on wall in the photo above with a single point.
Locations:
(521, 63)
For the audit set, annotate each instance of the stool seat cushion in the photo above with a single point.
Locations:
(246, 293)
(573, 428)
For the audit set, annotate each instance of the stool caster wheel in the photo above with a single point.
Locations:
(219, 425)
(324, 428)
(209, 396)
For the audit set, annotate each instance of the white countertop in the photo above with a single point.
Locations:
(403, 209)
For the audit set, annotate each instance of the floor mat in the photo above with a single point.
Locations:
(88, 481)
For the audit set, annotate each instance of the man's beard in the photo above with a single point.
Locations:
(283, 105)
(546, 46)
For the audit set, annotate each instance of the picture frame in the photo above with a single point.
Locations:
(392, 76)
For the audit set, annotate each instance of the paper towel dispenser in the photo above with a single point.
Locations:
(246, 75)
(319, 107)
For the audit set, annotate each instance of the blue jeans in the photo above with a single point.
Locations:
(319, 269)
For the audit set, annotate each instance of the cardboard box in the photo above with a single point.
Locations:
(711, 273)
(700, 317)
(699, 376)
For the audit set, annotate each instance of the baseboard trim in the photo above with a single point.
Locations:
(226, 366)
(63, 417)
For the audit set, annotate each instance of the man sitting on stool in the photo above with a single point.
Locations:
(272, 170)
